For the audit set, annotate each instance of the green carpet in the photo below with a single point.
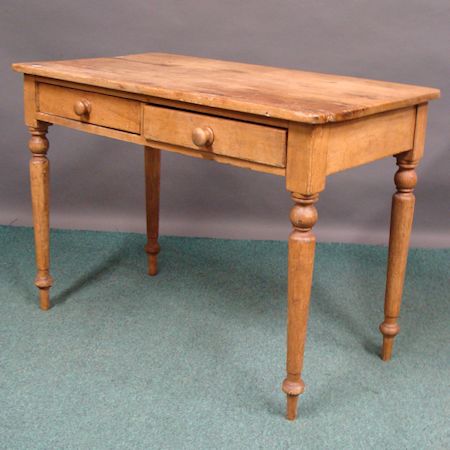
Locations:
(194, 358)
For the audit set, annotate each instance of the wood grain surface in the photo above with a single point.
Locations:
(272, 92)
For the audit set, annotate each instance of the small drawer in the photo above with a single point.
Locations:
(234, 138)
(90, 107)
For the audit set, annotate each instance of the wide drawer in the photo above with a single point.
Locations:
(234, 138)
(90, 107)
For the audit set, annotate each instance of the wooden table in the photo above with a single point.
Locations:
(300, 125)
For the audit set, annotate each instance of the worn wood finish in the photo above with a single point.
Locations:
(281, 93)
(307, 158)
(241, 140)
(205, 154)
(419, 133)
(361, 141)
(39, 180)
(140, 140)
(238, 115)
(300, 125)
(91, 129)
(97, 109)
(29, 103)
(152, 188)
(302, 244)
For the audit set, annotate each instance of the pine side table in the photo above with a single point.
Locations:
(300, 125)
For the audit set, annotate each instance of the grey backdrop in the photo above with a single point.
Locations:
(98, 183)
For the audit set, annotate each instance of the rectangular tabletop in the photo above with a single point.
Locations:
(272, 92)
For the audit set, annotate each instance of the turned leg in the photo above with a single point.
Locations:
(300, 272)
(152, 183)
(401, 223)
(39, 178)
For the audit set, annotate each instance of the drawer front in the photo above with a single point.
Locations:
(90, 107)
(252, 142)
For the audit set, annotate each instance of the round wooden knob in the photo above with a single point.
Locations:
(202, 137)
(82, 107)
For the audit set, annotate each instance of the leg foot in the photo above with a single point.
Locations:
(386, 351)
(152, 264)
(44, 299)
(292, 389)
(291, 407)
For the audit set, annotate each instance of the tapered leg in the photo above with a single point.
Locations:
(152, 186)
(39, 179)
(401, 224)
(300, 272)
